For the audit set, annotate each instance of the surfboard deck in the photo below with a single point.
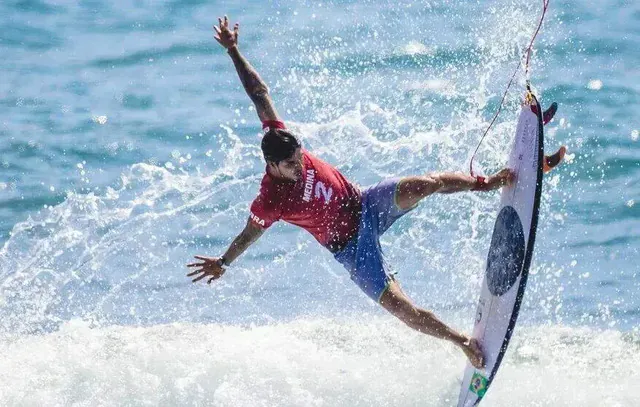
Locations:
(510, 253)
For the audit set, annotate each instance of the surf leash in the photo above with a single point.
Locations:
(545, 6)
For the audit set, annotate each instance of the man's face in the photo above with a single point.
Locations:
(291, 168)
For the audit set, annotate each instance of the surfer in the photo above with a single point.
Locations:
(305, 191)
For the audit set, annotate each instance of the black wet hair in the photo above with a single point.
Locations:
(279, 145)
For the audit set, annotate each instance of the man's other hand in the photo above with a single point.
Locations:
(208, 268)
(224, 36)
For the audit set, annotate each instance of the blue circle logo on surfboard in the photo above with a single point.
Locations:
(506, 253)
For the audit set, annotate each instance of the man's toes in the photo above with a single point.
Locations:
(478, 358)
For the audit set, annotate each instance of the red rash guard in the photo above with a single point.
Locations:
(322, 201)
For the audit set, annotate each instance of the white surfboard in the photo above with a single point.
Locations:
(509, 255)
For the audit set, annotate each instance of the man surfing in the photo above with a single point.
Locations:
(305, 191)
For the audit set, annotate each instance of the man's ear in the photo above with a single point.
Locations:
(273, 167)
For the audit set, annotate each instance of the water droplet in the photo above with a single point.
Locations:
(100, 119)
(595, 84)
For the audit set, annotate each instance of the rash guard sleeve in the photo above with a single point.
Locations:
(265, 209)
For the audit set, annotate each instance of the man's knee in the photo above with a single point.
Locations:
(397, 303)
(413, 189)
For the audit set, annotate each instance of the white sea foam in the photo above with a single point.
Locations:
(308, 363)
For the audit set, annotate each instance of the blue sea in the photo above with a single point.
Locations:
(127, 146)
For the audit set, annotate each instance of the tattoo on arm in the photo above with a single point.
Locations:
(255, 87)
(246, 238)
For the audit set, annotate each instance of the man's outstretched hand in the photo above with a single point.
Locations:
(208, 268)
(224, 35)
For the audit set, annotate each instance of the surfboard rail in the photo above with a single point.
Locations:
(510, 253)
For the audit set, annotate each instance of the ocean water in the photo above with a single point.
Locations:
(127, 146)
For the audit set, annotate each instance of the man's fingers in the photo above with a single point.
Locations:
(216, 29)
(195, 280)
(193, 273)
(195, 264)
(226, 22)
(211, 279)
(217, 39)
(220, 22)
(205, 258)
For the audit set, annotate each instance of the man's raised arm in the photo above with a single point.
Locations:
(212, 267)
(253, 84)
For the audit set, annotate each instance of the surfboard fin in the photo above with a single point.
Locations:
(548, 114)
(551, 161)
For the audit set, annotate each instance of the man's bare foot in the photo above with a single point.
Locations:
(501, 178)
(551, 161)
(471, 348)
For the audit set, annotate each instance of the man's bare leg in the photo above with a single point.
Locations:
(399, 305)
(412, 190)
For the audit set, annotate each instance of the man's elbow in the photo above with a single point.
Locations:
(258, 92)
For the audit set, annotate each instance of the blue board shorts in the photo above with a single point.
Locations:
(362, 256)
